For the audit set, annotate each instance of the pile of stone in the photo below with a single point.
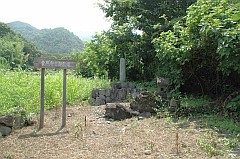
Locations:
(16, 121)
(117, 93)
(118, 111)
(6, 124)
(144, 102)
(142, 106)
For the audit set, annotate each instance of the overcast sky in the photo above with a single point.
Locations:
(79, 16)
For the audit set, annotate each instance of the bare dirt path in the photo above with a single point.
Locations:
(102, 139)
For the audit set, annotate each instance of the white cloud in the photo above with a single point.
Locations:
(74, 15)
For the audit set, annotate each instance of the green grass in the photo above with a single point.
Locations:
(22, 89)
(221, 123)
(194, 102)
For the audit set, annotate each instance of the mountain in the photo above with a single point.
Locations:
(57, 40)
(20, 26)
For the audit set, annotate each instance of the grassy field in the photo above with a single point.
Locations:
(22, 89)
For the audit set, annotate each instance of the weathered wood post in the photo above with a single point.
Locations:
(64, 98)
(42, 99)
(44, 63)
(122, 70)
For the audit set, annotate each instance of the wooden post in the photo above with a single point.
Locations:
(64, 97)
(41, 123)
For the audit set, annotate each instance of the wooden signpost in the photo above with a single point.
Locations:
(44, 63)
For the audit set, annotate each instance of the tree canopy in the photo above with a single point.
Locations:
(135, 24)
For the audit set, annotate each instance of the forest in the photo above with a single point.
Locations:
(15, 51)
(54, 41)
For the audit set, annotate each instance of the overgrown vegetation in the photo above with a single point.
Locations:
(22, 89)
(198, 52)
(203, 49)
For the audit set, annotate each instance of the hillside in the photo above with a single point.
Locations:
(57, 40)
(15, 51)
(21, 26)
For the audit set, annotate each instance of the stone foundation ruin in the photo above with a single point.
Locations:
(118, 92)
(117, 98)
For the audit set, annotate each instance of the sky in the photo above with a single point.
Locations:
(78, 16)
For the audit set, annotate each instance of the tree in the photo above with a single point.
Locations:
(204, 48)
(15, 51)
(151, 18)
(95, 59)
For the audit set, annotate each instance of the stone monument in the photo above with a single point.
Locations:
(122, 70)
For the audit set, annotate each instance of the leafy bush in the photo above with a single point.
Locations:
(203, 49)
(233, 107)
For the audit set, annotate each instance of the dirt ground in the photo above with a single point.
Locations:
(98, 138)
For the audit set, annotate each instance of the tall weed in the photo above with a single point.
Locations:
(22, 89)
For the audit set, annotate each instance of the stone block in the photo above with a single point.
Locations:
(100, 101)
(102, 92)
(108, 100)
(94, 93)
(102, 97)
(19, 122)
(122, 94)
(122, 70)
(108, 92)
(7, 120)
(144, 102)
(4, 130)
(117, 111)
(114, 94)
